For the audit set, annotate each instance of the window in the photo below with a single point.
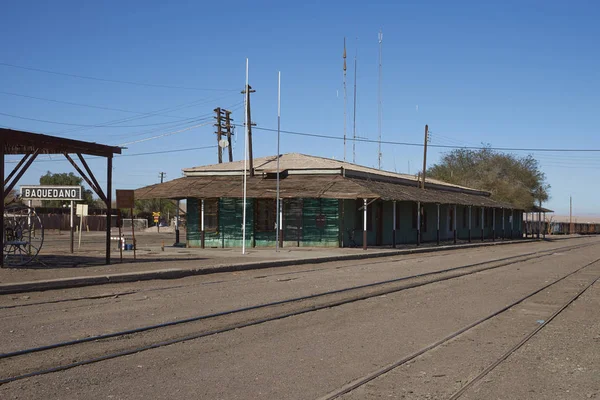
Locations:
(424, 220)
(359, 216)
(450, 219)
(265, 218)
(211, 214)
(477, 216)
(465, 217)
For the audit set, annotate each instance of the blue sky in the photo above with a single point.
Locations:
(512, 74)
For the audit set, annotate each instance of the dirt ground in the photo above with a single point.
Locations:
(310, 355)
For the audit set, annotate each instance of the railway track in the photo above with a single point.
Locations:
(350, 387)
(60, 356)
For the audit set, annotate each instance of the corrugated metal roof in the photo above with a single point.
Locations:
(308, 186)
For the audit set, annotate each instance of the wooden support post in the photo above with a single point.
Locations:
(202, 223)
(177, 222)
(539, 224)
(470, 224)
(454, 222)
(494, 224)
(394, 222)
(121, 239)
(71, 230)
(133, 235)
(503, 231)
(482, 224)
(512, 223)
(364, 224)
(418, 223)
(544, 228)
(109, 160)
(280, 227)
(438, 224)
(526, 224)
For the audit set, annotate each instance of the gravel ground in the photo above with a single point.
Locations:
(27, 323)
(312, 354)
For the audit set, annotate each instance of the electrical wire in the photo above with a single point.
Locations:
(429, 145)
(114, 80)
(80, 104)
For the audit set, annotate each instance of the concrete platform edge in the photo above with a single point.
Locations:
(175, 273)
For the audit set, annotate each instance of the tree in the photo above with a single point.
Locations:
(509, 178)
(65, 179)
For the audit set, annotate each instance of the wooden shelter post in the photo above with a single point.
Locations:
(108, 205)
(365, 224)
(469, 224)
(438, 224)
(512, 222)
(418, 223)
(202, 223)
(394, 223)
(454, 210)
(482, 224)
(494, 224)
(503, 231)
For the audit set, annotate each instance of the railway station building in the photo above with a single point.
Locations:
(330, 203)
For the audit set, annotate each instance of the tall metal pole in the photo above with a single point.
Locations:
(278, 135)
(379, 111)
(345, 100)
(354, 116)
(247, 119)
(425, 156)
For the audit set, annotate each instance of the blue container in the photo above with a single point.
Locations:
(129, 246)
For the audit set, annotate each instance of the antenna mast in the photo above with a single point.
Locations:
(345, 100)
(380, 112)
(354, 123)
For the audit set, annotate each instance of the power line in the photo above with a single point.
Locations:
(91, 126)
(430, 145)
(167, 134)
(80, 104)
(114, 80)
(151, 113)
(128, 155)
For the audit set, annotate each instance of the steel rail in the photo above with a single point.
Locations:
(286, 301)
(516, 347)
(375, 374)
(535, 255)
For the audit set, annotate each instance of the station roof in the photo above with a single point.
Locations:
(20, 142)
(302, 164)
(309, 186)
(535, 208)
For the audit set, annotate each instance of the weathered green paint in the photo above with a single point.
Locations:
(320, 222)
(317, 222)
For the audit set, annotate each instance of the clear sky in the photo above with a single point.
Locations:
(507, 73)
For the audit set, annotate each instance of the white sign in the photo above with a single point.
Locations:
(82, 210)
(51, 192)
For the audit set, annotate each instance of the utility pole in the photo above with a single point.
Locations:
(247, 92)
(425, 156)
(224, 128)
(229, 133)
(219, 132)
(162, 179)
